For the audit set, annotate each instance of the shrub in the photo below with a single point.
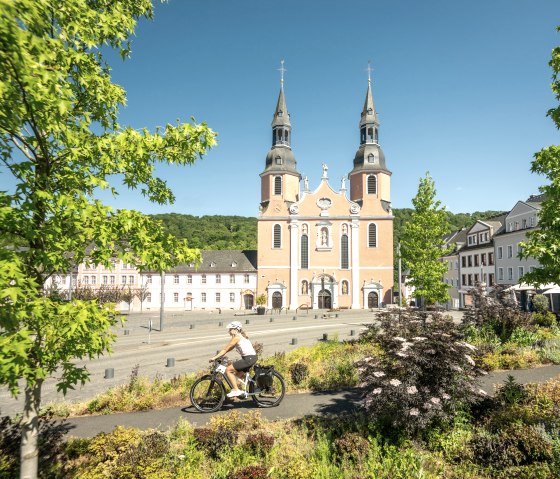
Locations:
(425, 373)
(515, 446)
(215, 441)
(126, 453)
(511, 392)
(496, 308)
(540, 303)
(250, 472)
(352, 446)
(546, 319)
(259, 443)
(298, 372)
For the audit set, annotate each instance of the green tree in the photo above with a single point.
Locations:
(544, 242)
(60, 143)
(422, 244)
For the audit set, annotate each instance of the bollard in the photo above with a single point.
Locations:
(325, 337)
(191, 326)
(247, 321)
(294, 340)
(316, 316)
(126, 332)
(220, 324)
(109, 373)
(336, 315)
(294, 318)
(170, 362)
(271, 320)
(352, 332)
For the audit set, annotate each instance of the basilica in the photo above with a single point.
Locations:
(325, 248)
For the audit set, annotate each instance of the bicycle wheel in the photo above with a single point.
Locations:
(207, 394)
(272, 395)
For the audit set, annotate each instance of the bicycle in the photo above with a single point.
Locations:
(208, 393)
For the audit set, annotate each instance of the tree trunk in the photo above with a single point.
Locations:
(29, 450)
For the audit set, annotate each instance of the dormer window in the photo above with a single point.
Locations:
(278, 160)
(234, 265)
(280, 112)
(212, 264)
(370, 111)
(371, 158)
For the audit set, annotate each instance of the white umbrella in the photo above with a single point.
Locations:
(555, 290)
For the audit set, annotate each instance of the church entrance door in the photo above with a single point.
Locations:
(277, 300)
(325, 299)
(248, 300)
(373, 300)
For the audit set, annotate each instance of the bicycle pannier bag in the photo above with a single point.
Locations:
(264, 376)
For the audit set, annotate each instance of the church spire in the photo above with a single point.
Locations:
(369, 124)
(281, 127)
(280, 157)
(369, 155)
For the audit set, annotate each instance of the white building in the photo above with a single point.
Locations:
(510, 268)
(225, 279)
(476, 257)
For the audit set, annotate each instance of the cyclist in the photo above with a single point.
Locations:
(239, 341)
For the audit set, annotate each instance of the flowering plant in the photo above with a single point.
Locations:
(424, 373)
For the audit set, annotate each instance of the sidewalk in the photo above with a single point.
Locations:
(293, 405)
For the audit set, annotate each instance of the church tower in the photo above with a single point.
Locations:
(370, 178)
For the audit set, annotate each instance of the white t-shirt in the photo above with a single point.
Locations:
(244, 347)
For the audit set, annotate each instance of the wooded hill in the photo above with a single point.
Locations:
(240, 232)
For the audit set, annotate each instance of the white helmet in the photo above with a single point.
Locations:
(235, 325)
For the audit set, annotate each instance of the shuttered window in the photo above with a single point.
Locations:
(372, 185)
(277, 240)
(372, 236)
(278, 185)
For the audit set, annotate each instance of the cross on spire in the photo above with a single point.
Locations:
(282, 70)
(369, 69)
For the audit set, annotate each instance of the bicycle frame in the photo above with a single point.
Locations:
(219, 369)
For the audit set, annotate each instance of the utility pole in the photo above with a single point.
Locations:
(162, 300)
(400, 275)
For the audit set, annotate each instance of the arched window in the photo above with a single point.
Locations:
(277, 237)
(372, 235)
(277, 185)
(304, 252)
(370, 135)
(344, 287)
(372, 185)
(304, 287)
(344, 264)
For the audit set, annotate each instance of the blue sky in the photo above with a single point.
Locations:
(461, 89)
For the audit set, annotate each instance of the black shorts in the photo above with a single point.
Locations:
(245, 363)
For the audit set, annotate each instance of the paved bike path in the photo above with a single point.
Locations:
(293, 405)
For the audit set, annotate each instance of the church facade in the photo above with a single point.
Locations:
(327, 248)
